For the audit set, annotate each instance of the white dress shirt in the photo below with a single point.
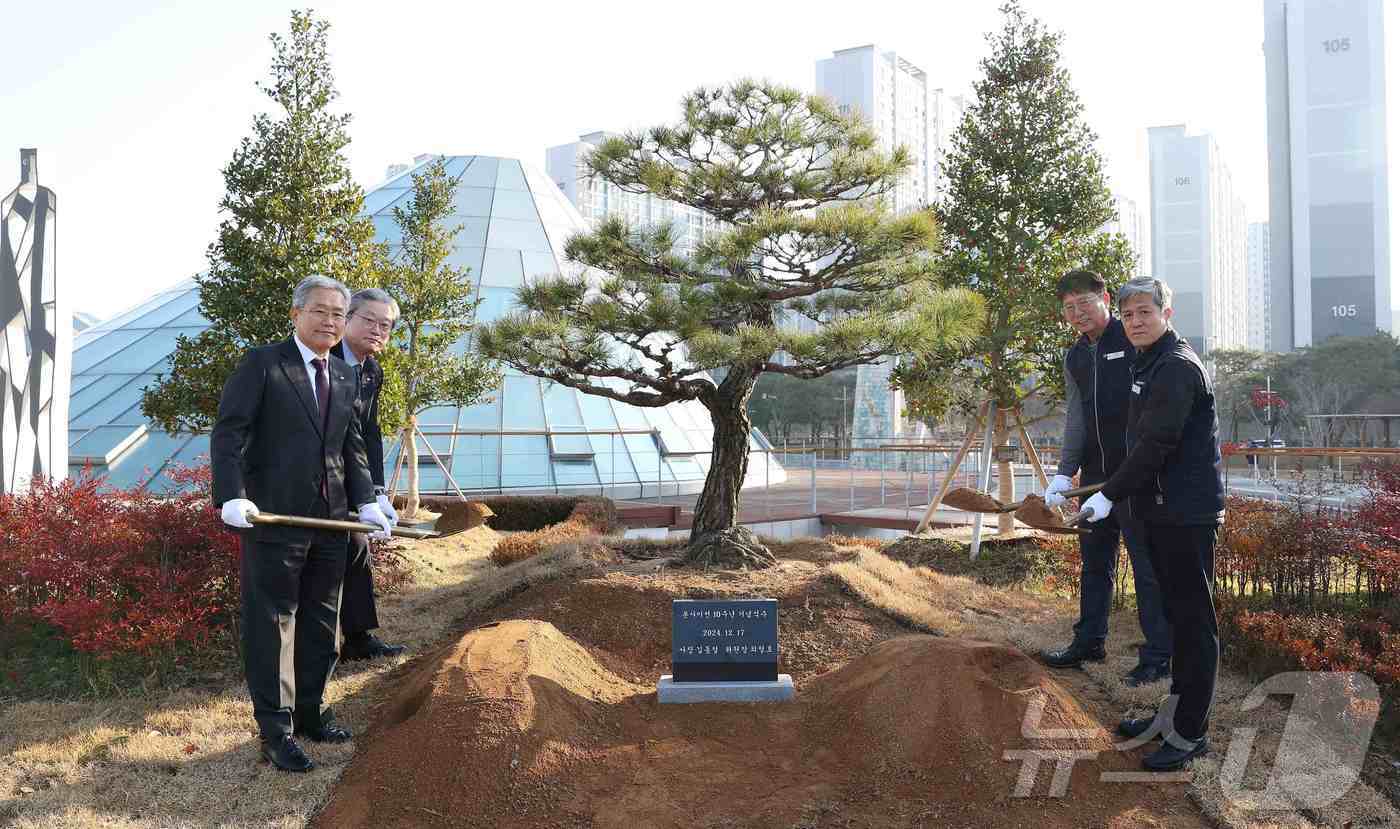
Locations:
(307, 355)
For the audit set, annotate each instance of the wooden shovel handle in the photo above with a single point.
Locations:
(333, 524)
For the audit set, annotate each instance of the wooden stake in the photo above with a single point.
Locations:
(988, 449)
(440, 464)
(952, 470)
(1030, 450)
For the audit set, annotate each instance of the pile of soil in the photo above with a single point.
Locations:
(545, 715)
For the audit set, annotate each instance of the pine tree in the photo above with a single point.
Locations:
(1025, 202)
(292, 210)
(798, 187)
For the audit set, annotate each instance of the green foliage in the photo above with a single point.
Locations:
(423, 365)
(292, 210)
(781, 402)
(1025, 201)
(1337, 376)
(761, 158)
(1238, 372)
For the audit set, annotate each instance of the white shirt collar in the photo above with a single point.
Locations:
(307, 355)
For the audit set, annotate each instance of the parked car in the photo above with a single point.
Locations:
(1261, 443)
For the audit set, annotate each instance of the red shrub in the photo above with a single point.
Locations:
(119, 571)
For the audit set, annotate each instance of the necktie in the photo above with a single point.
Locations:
(357, 379)
(323, 390)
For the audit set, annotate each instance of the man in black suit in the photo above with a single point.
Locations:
(287, 439)
(371, 321)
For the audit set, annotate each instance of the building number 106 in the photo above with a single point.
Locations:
(1337, 44)
(1344, 310)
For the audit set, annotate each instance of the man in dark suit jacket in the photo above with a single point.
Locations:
(287, 440)
(371, 321)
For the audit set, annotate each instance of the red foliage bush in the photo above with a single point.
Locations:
(119, 571)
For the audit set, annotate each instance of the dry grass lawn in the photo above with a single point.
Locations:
(190, 758)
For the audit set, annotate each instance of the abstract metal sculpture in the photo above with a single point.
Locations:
(36, 341)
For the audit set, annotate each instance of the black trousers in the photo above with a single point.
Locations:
(290, 612)
(1184, 559)
(357, 611)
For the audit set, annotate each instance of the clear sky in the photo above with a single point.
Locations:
(136, 105)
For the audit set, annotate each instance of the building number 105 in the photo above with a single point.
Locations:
(1344, 310)
(1337, 44)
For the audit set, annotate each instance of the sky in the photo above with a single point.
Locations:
(136, 106)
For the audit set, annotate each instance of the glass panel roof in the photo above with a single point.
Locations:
(515, 224)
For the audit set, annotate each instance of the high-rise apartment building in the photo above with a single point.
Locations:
(894, 96)
(1198, 238)
(1258, 303)
(1129, 221)
(597, 199)
(1328, 196)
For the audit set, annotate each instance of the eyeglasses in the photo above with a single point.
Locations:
(1085, 304)
(377, 324)
(327, 314)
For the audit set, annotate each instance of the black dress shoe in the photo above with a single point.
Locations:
(322, 728)
(284, 753)
(368, 646)
(1134, 727)
(1147, 673)
(1072, 656)
(1172, 757)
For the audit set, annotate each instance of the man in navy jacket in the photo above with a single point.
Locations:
(1171, 481)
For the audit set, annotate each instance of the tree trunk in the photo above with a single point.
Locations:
(1006, 480)
(716, 539)
(410, 445)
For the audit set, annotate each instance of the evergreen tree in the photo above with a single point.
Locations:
(1025, 201)
(422, 365)
(291, 210)
(798, 187)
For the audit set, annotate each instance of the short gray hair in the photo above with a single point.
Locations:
(303, 290)
(373, 295)
(1150, 286)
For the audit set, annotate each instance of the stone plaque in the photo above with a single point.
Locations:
(728, 640)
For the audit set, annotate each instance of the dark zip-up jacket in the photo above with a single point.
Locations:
(1097, 376)
(1172, 472)
(367, 409)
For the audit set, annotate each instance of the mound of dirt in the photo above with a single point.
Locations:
(548, 718)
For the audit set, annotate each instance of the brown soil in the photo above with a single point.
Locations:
(545, 715)
(970, 500)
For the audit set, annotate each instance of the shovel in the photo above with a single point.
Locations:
(970, 500)
(1031, 510)
(341, 526)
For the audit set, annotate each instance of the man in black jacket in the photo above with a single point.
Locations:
(1171, 482)
(371, 320)
(287, 440)
(1097, 369)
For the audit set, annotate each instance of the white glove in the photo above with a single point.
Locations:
(1099, 507)
(1058, 484)
(237, 511)
(387, 507)
(371, 514)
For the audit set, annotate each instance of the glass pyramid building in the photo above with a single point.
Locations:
(532, 436)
